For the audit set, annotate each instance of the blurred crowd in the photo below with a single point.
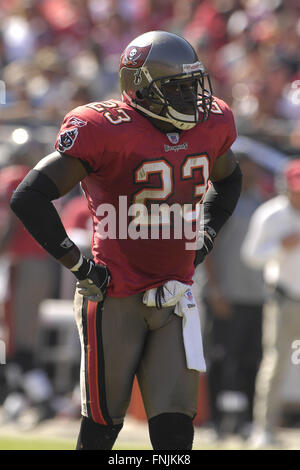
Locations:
(58, 54)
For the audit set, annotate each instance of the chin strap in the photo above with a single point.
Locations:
(179, 124)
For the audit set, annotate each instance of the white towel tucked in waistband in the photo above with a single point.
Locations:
(179, 294)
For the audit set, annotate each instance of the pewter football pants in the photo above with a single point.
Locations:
(123, 338)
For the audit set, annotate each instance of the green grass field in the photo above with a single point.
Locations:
(10, 441)
(23, 443)
(20, 443)
(17, 443)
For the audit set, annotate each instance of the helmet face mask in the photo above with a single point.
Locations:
(165, 80)
(180, 97)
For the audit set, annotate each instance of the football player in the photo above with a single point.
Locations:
(162, 144)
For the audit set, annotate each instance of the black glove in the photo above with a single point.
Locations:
(93, 279)
(208, 243)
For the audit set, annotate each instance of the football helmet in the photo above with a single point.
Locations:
(161, 75)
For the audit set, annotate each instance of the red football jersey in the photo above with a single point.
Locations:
(133, 166)
(76, 214)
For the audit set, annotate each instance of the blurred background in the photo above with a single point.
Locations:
(58, 54)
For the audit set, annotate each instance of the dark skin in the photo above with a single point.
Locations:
(66, 172)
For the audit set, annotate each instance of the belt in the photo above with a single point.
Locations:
(283, 293)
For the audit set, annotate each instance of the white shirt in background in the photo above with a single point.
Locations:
(272, 221)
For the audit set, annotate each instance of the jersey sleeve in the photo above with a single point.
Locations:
(228, 132)
(80, 137)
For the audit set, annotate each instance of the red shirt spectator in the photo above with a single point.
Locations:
(15, 240)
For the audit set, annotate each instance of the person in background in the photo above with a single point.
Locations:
(234, 299)
(30, 279)
(273, 244)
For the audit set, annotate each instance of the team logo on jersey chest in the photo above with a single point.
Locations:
(67, 139)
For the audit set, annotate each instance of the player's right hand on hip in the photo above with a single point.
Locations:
(93, 280)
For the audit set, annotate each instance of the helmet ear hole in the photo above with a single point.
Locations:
(141, 94)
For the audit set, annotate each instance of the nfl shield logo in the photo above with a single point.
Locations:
(189, 295)
(173, 137)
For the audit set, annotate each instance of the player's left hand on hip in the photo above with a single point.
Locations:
(207, 246)
(93, 280)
